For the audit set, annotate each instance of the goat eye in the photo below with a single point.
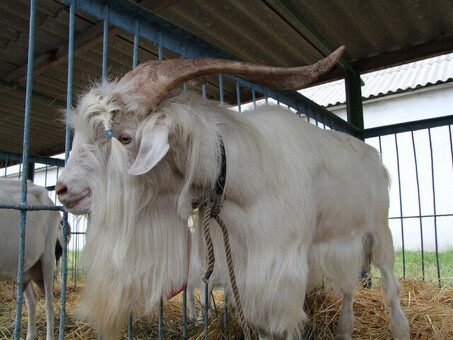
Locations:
(125, 139)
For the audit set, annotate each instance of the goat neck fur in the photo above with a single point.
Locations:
(299, 202)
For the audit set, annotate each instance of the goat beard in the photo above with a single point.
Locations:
(136, 253)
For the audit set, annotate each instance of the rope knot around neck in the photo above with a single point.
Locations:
(218, 194)
(211, 210)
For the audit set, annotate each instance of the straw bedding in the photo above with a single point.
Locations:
(428, 307)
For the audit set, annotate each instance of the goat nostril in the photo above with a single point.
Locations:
(60, 188)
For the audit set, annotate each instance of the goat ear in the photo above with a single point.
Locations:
(153, 147)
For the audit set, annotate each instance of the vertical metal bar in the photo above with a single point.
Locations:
(6, 165)
(129, 327)
(354, 107)
(238, 96)
(46, 172)
(136, 41)
(221, 94)
(30, 171)
(203, 90)
(130, 330)
(160, 48)
(161, 320)
(451, 144)
(64, 277)
(64, 259)
(75, 252)
(401, 204)
(380, 146)
(184, 314)
(222, 100)
(254, 97)
(422, 246)
(225, 313)
(436, 241)
(105, 43)
(206, 310)
(26, 141)
(76, 247)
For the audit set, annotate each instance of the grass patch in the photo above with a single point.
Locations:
(415, 265)
(75, 272)
(412, 259)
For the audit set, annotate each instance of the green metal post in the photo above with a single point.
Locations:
(354, 99)
(30, 171)
(354, 109)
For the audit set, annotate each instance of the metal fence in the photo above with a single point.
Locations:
(423, 208)
(419, 157)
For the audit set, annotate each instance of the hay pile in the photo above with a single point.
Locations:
(428, 308)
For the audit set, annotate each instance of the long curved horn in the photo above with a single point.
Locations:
(157, 78)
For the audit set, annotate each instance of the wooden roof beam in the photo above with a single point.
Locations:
(84, 40)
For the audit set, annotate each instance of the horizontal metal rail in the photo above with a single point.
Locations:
(420, 216)
(27, 207)
(31, 159)
(407, 127)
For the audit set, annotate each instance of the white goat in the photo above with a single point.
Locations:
(40, 242)
(299, 200)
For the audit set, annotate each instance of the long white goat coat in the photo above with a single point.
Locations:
(303, 213)
(298, 202)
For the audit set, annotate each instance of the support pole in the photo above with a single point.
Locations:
(354, 99)
(30, 171)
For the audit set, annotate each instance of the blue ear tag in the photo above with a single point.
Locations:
(109, 133)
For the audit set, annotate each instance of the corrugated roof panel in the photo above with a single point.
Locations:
(393, 80)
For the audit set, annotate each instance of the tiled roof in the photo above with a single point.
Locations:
(388, 81)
